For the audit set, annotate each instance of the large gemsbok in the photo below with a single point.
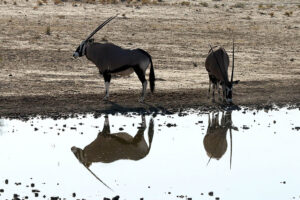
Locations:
(215, 142)
(216, 64)
(109, 147)
(112, 59)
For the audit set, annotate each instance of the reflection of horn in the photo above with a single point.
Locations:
(97, 177)
(230, 147)
(209, 160)
(232, 60)
(150, 133)
(101, 26)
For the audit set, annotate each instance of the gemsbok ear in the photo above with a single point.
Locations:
(91, 40)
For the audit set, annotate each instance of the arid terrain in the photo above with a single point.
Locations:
(39, 76)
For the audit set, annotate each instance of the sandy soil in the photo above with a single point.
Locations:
(39, 76)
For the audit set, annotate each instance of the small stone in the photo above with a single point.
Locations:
(211, 193)
(74, 194)
(6, 181)
(116, 198)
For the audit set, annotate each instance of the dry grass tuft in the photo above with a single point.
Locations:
(39, 3)
(239, 5)
(204, 4)
(56, 2)
(185, 3)
(288, 13)
(48, 31)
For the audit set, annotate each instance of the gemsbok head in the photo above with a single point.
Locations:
(216, 65)
(111, 60)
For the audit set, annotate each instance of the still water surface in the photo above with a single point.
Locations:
(230, 155)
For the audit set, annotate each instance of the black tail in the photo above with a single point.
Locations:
(151, 75)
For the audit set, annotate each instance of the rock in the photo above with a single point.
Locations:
(116, 198)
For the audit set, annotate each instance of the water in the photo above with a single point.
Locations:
(172, 158)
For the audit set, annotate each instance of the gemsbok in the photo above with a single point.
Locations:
(111, 59)
(109, 147)
(215, 142)
(216, 65)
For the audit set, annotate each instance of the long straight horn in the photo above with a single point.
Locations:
(101, 26)
(232, 60)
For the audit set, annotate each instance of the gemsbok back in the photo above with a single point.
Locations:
(216, 65)
(112, 59)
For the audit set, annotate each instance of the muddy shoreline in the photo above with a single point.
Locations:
(165, 102)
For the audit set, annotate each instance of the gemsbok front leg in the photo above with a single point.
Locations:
(107, 78)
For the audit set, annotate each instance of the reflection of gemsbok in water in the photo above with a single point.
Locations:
(215, 142)
(109, 147)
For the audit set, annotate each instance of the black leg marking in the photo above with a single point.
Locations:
(106, 76)
(139, 73)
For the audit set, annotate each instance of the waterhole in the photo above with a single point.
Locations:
(246, 154)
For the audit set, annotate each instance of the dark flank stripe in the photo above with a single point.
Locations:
(119, 69)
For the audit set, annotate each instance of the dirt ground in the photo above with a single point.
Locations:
(39, 76)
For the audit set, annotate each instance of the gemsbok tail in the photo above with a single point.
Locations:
(151, 75)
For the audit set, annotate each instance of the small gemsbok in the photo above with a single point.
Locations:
(111, 59)
(215, 142)
(216, 64)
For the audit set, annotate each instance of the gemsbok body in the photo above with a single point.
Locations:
(111, 60)
(216, 65)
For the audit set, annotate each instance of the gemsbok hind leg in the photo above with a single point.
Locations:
(219, 91)
(141, 74)
(209, 86)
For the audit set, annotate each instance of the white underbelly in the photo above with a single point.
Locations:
(126, 72)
